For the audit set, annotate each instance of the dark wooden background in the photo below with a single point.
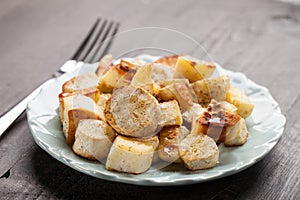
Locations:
(261, 38)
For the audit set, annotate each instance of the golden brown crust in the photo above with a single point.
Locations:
(123, 67)
(93, 93)
(219, 119)
(153, 140)
(81, 82)
(167, 61)
(117, 76)
(214, 124)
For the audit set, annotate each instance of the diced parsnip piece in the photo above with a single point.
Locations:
(167, 82)
(129, 155)
(238, 98)
(161, 72)
(216, 106)
(167, 93)
(93, 93)
(226, 106)
(154, 142)
(117, 76)
(169, 61)
(193, 69)
(103, 99)
(93, 139)
(171, 114)
(183, 93)
(101, 103)
(237, 134)
(142, 76)
(169, 140)
(143, 79)
(214, 122)
(194, 112)
(199, 151)
(208, 89)
(77, 107)
(77, 83)
(133, 112)
(105, 63)
(197, 127)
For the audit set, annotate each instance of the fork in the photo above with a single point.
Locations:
(95, 45)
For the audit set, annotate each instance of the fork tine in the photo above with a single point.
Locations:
(85, 41)
(100, 38)
(93, 39)
(104, 43)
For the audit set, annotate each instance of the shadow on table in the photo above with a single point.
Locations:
(61, 181)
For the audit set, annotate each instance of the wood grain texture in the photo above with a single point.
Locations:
(259, 38)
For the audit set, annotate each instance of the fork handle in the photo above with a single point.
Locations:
(10, 116)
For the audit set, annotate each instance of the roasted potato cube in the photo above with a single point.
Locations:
(117, 76)
(183, 93)
(237, 134)
(199, 151)
(78, 83)
(143, 79)
(208, 89)
(171, 114)
(161, 72)
(129, 155)
(169, 61)
(167, 82)
(193, 69)
(93, 93)
(133, 112)
(93, 139)
(104, 65)
(214, 122)
(77, 107)
(194, 112)
(239, 99)
(169, 140)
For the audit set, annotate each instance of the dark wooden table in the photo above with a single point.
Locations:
(259, 38)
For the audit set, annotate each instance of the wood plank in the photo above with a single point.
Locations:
(15, 143)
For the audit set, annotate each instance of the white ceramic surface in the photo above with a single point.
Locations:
(265, 125)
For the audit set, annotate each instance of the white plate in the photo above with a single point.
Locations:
(265, 127)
